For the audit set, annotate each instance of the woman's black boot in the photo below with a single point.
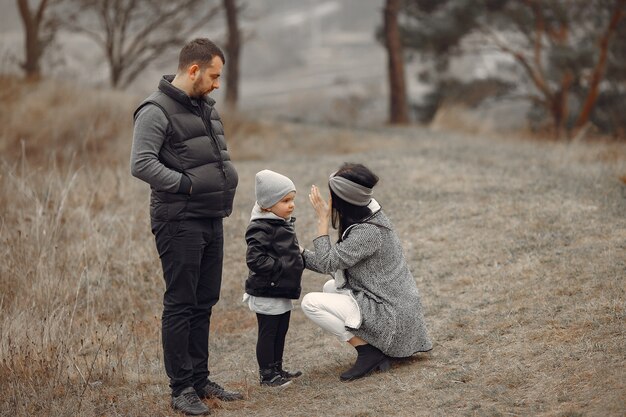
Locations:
(369, 359)
(284, 373)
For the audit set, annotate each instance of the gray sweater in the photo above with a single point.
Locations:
(150, 132)
(380, 281)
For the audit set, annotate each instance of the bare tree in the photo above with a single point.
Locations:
(564, 48)
(133, 33)
(596, 75)
(233, 52)
(38, 34)
(554, 96)
(398, 105)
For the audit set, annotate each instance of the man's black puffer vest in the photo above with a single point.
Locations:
(273, 258)
(194, 146)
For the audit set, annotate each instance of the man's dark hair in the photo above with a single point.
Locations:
(199, 51)
(345, 214)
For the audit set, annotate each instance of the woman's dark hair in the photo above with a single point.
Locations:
(345, 214)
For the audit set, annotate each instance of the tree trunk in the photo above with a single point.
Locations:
(233, 49)
(115, 76)
(598, 71)
(560, 105)
(33, 45)
(398, 105)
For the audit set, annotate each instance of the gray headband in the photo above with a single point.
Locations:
(350, 191)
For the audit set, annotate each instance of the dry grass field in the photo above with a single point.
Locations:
(518, 248)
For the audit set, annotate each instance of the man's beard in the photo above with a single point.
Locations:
(196, 92)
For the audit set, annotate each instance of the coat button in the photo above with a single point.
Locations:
(272, 284)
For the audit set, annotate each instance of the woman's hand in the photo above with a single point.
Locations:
(322, 210)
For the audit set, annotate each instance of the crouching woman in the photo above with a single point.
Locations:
(373, 302)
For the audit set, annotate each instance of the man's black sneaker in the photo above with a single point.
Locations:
(189, 403)
(213, 390)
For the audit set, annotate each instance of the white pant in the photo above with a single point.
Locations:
(330, 310)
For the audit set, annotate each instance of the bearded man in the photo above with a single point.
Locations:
(179, 149)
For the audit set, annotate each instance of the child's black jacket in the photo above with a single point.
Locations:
(274, 259)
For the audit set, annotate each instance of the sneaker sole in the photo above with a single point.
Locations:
(283, 386)
(202, 413)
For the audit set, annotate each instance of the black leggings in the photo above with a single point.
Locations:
(271, 339)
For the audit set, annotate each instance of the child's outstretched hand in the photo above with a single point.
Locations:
(322, 209)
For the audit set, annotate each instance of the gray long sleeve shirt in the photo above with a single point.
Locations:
(150, 131)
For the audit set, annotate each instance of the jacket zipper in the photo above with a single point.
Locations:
(209, 130)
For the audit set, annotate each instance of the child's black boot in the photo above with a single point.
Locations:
(270, 377)
(285, 373)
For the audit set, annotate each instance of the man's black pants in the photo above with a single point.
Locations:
(191, 253)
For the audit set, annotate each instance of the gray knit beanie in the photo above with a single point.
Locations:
(270, 187)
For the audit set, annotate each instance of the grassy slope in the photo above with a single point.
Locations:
(518, 249)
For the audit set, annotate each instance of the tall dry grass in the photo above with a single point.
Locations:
(75, 283)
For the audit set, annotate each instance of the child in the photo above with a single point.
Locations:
(276, 264)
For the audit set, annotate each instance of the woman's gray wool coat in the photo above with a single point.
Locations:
(380, 281)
